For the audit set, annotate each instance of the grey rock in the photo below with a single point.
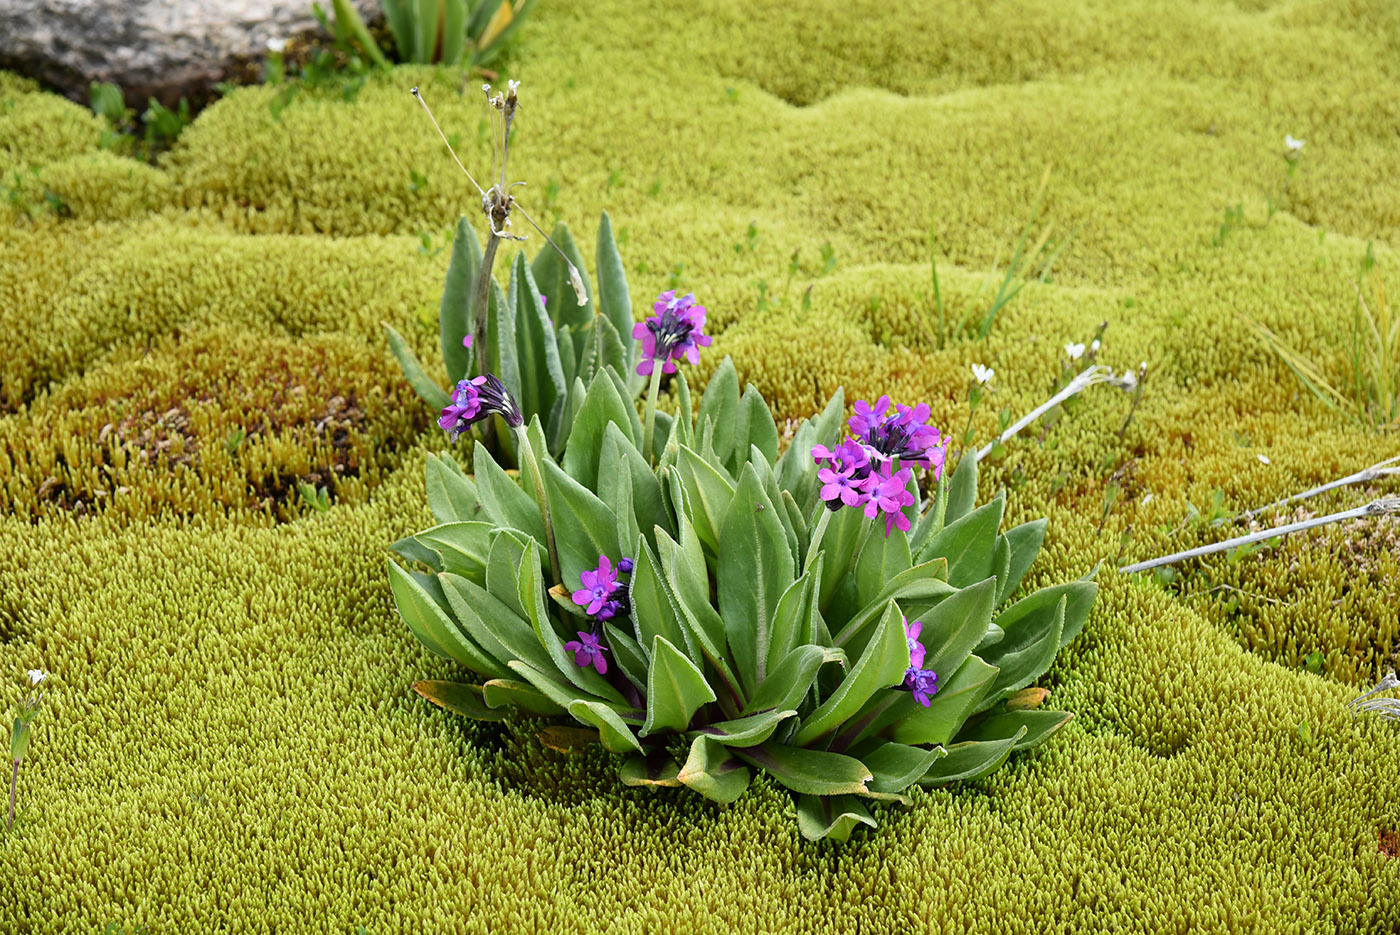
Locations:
(164, 49)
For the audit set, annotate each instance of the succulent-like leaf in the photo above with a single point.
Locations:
(552, 686)
(428, 391)
(962, 489)
(921, 586)
(720, 404)
(1035, 611)
(620, 457)
(655, 769)
(676, 689)
(881, 665)
(896, 766)
(748, 731)
(536, 350)
(500, 630)
(499, 355)
(1032, 728)
(451, 494)
(713, 771)
(956, 625)
(504, 501)
(1025, 653)
(434, 629)
(552, 275)
(531, 590)
(791, 679)
(425, 22)
(628, 654)
(1024, 542)
(838, 543)
(564, 738)
(971, 760)
(455, 311)
(459, 698)
(685, 568)
(617, 737)
(502, 693)
(462, 548)
(584, 527)
(815, 772)
(602, 406)
(956, 698)
(879, 559)
(398, 14)
(831, 816)
(708, 493)
(476, 23)
(410, 548)
(654, 607)
(756, 427)
(684, 424)
(755, 567)
(614, 301)
(503, 561)
(968, 544)
(789, 618)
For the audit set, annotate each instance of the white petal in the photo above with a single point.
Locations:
(1263, 459)
(36, 676)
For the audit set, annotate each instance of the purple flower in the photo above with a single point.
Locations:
(625, 565)
(923, 683)
(888, 495)
(903, 435)
(473, 400)
(588, 651)
(675, 331)
(466, 340)
(843, 482)
(598, 587)
(916, 649)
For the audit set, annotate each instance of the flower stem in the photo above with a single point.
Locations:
(655, 388)
(822, 522)
(14, 780)
(530, 463)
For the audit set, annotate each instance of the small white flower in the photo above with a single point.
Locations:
(1128, 381)
(1094, 346)
(1075, 351)
(1263, 459)
(982, 374)
(512, 86)
(486, 88)
(1147, 499)
(36, 676)
(1292, 144)
(276, 45)
(576, 281)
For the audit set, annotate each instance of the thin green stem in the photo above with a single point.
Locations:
(529, 462)
(14, 781)
(651, 412)
(817, 534)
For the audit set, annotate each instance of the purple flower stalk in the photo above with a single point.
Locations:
(916, 649)
(588, 651)
(473, 400)
(922, 683)
(598, 587)
(673, 332)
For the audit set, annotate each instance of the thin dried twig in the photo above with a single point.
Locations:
(1374, 472)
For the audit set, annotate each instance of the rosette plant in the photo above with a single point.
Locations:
(728, 612)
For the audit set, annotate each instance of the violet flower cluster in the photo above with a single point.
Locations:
(604, 597)
(873, 466)
(476, 398)
(921, 682)
(674, 331)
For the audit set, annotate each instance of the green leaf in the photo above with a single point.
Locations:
(617, 737)
(425, 33)
(613, 298)
(628, 655)
(971, 760)
(500, 631)
(882, 665)
(552, 274)
(684, 424)
(1024, 542)
(709, 494)
(880, 558)
(896, 766)
(655, 769)
(536, 351)
(790, 617)
(838, 543)
(756, 428)
(689, 578)
(962, 489)
(922, 583)
(1031, 728)
(455, 311)
(1024, 653)
(459, 698)
(968, 544)
(584, 527)
(713, 771)
(480, 18)
(428, 391)
(954, 627)
(755, 568)
(746, 731)
(720, 404)
(620, 457)
(562, 693)
(948, 709)
(504, 502)
(503, 560)
(654, 609)
(833, 817)
(815, 772)
(676, 689)
(500, 693)
(410, 548)
(462, 548)
(499, 358)
(790, 681)
(1035, 611)
(433, 628)
(454, 32)
(451, 495)
(602, 406)
(398, 16)
(349, 18)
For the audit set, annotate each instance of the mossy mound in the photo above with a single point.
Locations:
(229, 740)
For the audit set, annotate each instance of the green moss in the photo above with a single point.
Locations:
(231, 741)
